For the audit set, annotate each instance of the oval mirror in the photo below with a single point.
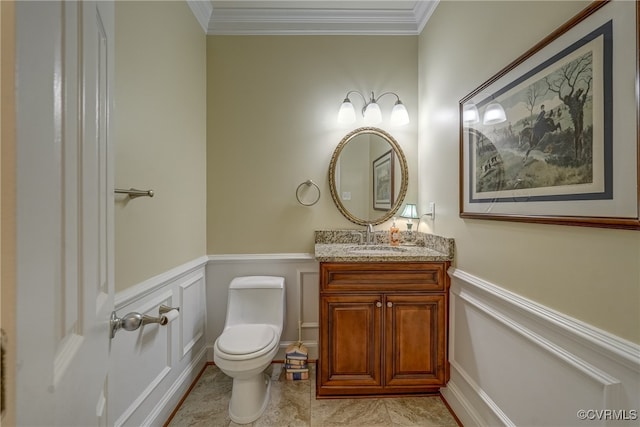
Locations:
(368, 176)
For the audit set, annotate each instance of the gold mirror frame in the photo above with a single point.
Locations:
(403, 170)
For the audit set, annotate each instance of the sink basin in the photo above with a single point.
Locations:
(375, 249)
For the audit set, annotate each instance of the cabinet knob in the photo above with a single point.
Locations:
(389, 304)
(378, 304)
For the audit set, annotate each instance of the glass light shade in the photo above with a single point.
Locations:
(470, 114)
(399, 115)
(372, 114)
(410, 211)
(346, 114)
(494, 114)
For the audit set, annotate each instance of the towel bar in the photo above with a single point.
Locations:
(133, 192)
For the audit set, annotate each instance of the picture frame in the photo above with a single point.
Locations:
(557, 153)
(383, 180)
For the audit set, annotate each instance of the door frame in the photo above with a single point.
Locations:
(7, 210)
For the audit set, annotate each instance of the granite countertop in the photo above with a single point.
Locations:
(344, 246)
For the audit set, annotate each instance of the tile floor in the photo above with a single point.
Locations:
(293, 403)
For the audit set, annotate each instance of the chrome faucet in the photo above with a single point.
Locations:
(371, 235)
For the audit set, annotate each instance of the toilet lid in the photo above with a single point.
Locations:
(243, 339)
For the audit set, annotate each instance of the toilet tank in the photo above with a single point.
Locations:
(256, 299)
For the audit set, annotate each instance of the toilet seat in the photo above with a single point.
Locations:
(246, 341)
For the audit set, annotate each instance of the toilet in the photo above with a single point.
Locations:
(250, 341)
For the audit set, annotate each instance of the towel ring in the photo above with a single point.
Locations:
(306, 184)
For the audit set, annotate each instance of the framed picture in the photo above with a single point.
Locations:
(553, 137)
(383, 182)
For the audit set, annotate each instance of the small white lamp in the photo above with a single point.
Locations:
(410, 212)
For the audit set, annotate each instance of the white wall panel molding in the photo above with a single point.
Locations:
(307, 305)
(498, 416)
(166, 405)
(145, 356)
(506, 350)
(193, 312)
(619, 350)
(149, 369)
(570, 359)
(261, 257)
(308, 292)
(149, 286)
(137, 402)
(464, 394)
(150, 308)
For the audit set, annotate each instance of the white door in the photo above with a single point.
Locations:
(64, 82)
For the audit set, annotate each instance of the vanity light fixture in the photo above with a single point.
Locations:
(410, 212)
(371, 110)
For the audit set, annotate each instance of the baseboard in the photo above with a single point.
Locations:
(165, 407)
(506, 351)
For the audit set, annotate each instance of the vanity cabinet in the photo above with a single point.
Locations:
(383, 328)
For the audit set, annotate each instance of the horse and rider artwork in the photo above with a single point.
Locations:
(552, 137)
(552, 141)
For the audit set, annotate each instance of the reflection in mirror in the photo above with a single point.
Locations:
(368, 176)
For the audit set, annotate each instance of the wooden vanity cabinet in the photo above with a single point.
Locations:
(383, 328)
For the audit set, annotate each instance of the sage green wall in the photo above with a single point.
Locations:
(272, 124)
(586, 273)
(160, 116)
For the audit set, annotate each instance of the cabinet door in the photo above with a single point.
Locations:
(351, 336)
(415, 341)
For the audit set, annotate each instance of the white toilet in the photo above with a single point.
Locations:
(249, 342)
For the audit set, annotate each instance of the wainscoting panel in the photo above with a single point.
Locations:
(301, 281)
(151, 368)
(192, 295)
(517, 363)
(308, 303)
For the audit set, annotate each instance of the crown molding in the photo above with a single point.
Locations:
(260, 19)
(202, 10)
(423, 11)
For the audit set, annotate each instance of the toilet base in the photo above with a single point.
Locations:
(249, 398)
